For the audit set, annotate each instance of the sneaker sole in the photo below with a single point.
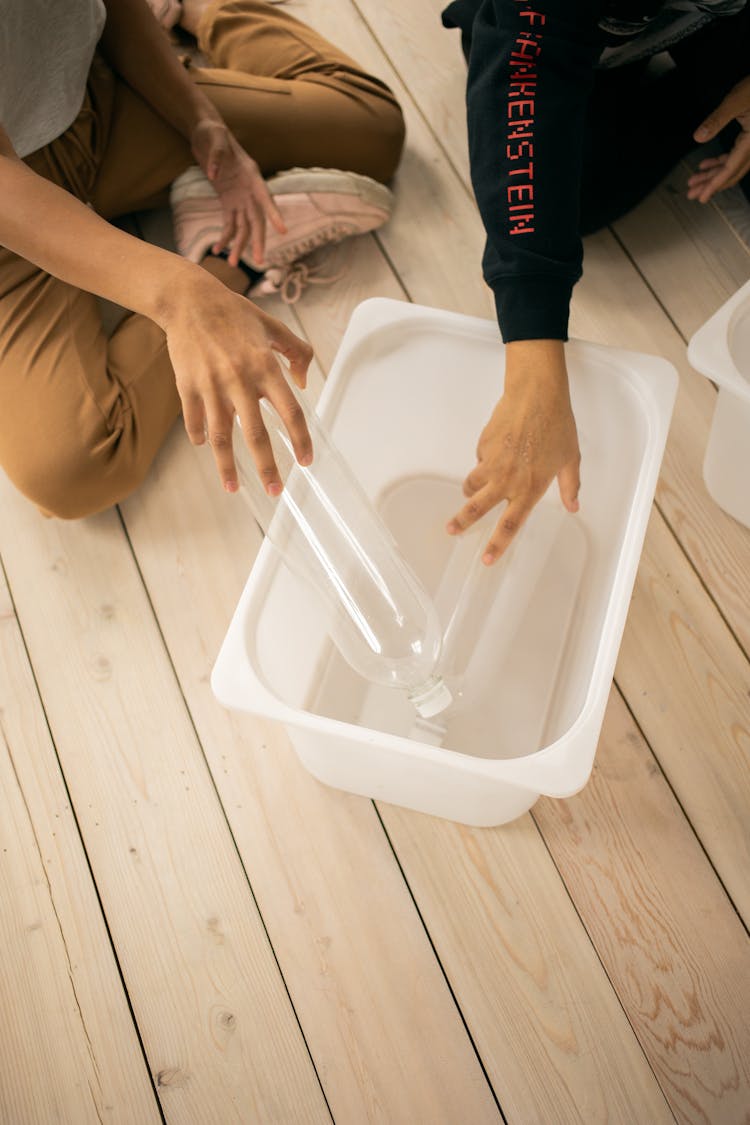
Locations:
(298, 181)
(311, 180)
(282, 250)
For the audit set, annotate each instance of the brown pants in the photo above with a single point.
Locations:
(81, 416)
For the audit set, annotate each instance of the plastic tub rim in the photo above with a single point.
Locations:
(708, 349)
(519, 771)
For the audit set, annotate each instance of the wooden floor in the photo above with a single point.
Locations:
(194, 930)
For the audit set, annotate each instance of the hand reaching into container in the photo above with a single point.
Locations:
(530, 439)
(225, 359)
(719, 172)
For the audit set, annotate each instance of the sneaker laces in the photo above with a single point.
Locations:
(290, 281)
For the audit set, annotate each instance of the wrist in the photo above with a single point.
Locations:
(194, 117)
(184, 286)
(202, 126)
(534, 363)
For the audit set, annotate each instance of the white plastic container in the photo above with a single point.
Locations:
(720, 350)
(407, 396)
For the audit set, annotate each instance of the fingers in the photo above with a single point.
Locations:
(259, 444)
(240, 239)
(258, 232)
(298, 352)
(569, 483)
(720, 173)
(269, 208)
(247, 203)
(508, 525)
(735, 103)
(477, 506)
(724, 171)
(218, 379)
(698, 182)
(274, 216)
(262, 210)
(713, 124)
(482, 496)
(247, 225)
(703, 188)
(212, 418)
(474, 481)
(194, 417)
(506, 529)
(293, 417)
(273, 386)
(219, 423)
(243, 227)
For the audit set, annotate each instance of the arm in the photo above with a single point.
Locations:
(217, 372)
(530, 75)
(530, 72)
(136, 47)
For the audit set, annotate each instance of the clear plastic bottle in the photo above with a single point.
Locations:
(482, 609)
(470, 592)
(329, 535)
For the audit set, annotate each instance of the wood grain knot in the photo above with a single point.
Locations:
(171, 1076)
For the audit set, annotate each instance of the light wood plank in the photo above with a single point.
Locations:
(689, 688)
(429, 63)
(689, 255)
(549, 1029)
(364, 272)
(59, 983)
(220, 1034)
(613, 306)
(669, 939)
(381, 1025)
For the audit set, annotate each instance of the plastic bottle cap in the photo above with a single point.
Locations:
(433, 700)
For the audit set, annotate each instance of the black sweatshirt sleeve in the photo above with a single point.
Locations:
(531, 66)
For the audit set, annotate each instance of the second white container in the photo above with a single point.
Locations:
(720, 350)
(406, 399)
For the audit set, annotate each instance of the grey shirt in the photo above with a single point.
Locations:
(46, 48)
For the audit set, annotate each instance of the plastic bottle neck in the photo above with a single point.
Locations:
(431, 697)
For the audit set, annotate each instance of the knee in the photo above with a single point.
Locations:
(373, 133)
(72, 483)
(388, 136)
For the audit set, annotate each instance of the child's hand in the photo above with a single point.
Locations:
(530, 439)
